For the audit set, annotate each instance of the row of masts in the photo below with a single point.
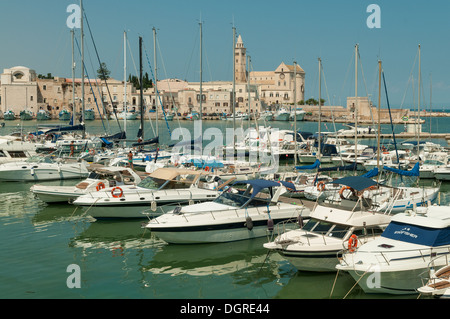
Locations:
(233, 90)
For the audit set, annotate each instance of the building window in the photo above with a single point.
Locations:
(31, 98)
(44, 87)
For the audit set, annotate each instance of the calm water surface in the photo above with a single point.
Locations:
(119, 259)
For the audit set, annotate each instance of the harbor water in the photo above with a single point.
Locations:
(120, 259)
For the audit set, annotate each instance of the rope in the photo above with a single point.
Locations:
(355, 284)
(334, 283)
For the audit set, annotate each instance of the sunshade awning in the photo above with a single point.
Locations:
(358, 183)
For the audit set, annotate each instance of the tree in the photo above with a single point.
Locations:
(313, 101)
(103, 72)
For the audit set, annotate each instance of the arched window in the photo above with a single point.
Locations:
(18, 75)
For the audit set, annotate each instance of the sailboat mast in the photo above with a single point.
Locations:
(233, 98)
(379, 113)
(141, 133)
(248, 90)
(74, 109)
(125, 109)
(295, 113)
(418, 113)
(82, 70)
(201, 72)
(319, 152)
(155, 85)
(356, 101)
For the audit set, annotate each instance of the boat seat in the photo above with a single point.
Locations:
(82, 185)
(440, 285)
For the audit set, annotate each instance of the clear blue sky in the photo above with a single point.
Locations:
(34, 34)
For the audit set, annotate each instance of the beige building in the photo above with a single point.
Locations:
(21, 88)
(277, 87)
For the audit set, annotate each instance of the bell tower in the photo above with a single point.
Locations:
(240, 59)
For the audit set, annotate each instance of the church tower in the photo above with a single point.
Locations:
(241, 61)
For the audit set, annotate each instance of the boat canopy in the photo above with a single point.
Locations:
(358, 183)
(171, 173)
(349, 167)
(312, 166)
(372, 173)
(258, 185)
(417, 234)
(154, 140)
(413, 172)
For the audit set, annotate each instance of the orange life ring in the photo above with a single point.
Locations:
(352, 243)
(91, 152)
(100, 186)
(321, 186)
(117, 195)
(341, 191)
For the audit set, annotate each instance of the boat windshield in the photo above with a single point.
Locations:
(181, 181)
(239, 200)
(39, 159)
(325, 228)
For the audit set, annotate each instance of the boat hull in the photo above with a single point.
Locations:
(220, 233)
(38, 172)
(404, 282)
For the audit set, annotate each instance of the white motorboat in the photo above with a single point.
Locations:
(161, 191)
(239, 116)
(231, 217)
(331, 229)
(389, 159)
(39, 168)
(398, 261)
(299, 114)
(127, 115)
(98, 179)
(439, 283)
(13, 149)
(442, 173)
(282, 115)
(266, 116)
(387, 199)
(433, 161)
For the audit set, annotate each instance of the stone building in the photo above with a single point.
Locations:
(254, 92)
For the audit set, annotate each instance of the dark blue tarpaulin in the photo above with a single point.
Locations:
(312, 166)
(258, 185)
(358, 183)
(413, 172)
(288, 185)
(373, 172)
(349, 167)
(419, 235)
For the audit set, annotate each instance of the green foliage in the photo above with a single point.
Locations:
(147, 83)
(103, 72)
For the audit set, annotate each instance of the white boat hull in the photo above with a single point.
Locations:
(42, 173)
(222, 226)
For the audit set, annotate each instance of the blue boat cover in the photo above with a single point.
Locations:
(373, 172)
(288, 185)
(416, 234)
(104, 140)
(413, 172)
(312, 166)
(349, 167)
(358, 183)
(258, 185)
